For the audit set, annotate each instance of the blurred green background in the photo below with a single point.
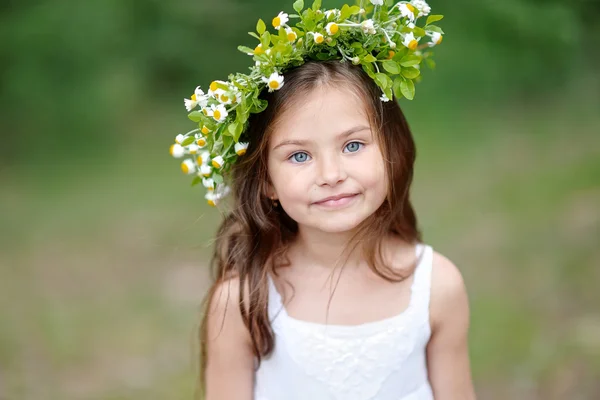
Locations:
(104, 245)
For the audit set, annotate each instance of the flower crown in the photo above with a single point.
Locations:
(381, 36)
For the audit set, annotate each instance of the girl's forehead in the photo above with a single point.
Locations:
(324, 110)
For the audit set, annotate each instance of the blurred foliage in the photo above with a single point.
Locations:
(103, 242)
(73, 73)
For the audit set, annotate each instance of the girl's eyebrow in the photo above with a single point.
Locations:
(344, 134)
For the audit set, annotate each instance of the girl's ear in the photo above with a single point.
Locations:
(270, 191)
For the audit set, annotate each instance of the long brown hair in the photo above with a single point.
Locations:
(254, 236)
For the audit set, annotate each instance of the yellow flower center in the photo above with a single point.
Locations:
(413, 44)
(205, 131)
(334, 29)
(211, 188)
(258, 50)
(193, 97)
(185, 168)
(276, 22)
(192, 151)
(224, 98)
(274, 85)
(211, 203)
(171, 149)
(241, 152)
(217, 113)
(439, 40)
(411, 8)
(391, 54)
(319, 39)
(205, 112)
(201, 142)
(206, 175)
(292, 36)
(199, 160)
(215, 164)
(213, 86)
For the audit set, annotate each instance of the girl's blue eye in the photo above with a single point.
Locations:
(299, 157)
(353, 147)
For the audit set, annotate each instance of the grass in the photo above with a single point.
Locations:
(101, 273)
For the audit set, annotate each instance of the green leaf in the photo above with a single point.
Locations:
(391, 66)
(345, 12)
(434, 28)
(254, 35)
(196, 181)
(316, 5)
(265, 40)
(397, 87)
(419, 32)
(407, 87)
(261, 27)
(298, 6)
(218, 178)
(383, 80)
(245, 49)
(369, 58)
(354, 10)
(196, 116)
(410, 73)
(433, 18)
(188, 140)
(228, 140)
(259, 105)
(409, 61)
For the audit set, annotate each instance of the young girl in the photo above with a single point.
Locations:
(324, 288)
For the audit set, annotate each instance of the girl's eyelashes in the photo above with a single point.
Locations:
(302, 156)
(353, 147)
(299, 157)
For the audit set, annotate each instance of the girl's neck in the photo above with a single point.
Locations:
(326, 250)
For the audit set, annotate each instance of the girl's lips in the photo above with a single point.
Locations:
(336, 201)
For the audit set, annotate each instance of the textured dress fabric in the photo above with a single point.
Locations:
(381, 360)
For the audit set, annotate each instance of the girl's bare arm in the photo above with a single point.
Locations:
(229, 373)
(447, 352)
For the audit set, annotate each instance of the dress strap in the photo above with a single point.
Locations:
(275, 300)
(421, 286)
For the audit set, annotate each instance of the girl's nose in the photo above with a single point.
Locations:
(331, 171)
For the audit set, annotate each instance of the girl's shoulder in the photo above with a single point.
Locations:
(449, 299)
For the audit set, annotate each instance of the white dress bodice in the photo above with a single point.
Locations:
(381, 360)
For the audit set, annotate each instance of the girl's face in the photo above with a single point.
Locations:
(325, 164)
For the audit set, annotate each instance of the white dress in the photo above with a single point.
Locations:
(381, 360)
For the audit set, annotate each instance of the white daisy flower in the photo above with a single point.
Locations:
(214, 88)
(436, 38)
(332, 28)
(211, 198)
(240, 148)
(410, 41)
(411, 25)
(335, 12)
(291, 35)
(198, 98)
(193, 148)
(218, 112)
(422, 6)
(223, 96)
(205, 130)
(384, 98)
(208, 183)
(217, 162)
(275, 81)
(200, 141)
(377, 2)
(318, 37)
(177, 150)
(368, 27)
(407, 10)
(205, 170)
(280, 20)
(188, 167)
(179, 139)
